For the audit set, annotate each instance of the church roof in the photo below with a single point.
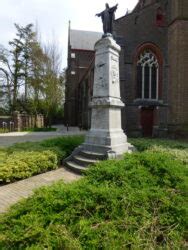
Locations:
(80, 39)
(143, 3)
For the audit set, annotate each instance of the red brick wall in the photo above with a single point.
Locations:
(178, 72)
(79, 65)
(178, 68)
(179, 9)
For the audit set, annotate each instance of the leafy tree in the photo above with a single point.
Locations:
(31, 76)
(6, 77)
(28, 38)
(15, 62)
(16, 69)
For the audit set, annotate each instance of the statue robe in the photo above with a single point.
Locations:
(107, 17)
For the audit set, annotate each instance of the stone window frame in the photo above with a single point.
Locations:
(148, 58)
(157, 52)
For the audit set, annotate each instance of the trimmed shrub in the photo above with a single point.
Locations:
(23, 160)
(62, 146)
(68, 144)
(4, 130)
(20, 165)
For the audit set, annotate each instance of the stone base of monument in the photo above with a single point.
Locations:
(106, 139)
(85, 155)
(107, 143)
(80, 159)
(89, 154)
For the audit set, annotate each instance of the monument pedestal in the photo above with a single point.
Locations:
(106, 136)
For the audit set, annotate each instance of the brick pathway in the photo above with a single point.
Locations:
(11, 193)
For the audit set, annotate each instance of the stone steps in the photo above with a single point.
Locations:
(80, 161)
(71, 165)
(92, 155)
(84, 161)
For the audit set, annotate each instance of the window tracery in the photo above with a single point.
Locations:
(147, 76)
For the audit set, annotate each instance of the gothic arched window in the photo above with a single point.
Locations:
(147, 76)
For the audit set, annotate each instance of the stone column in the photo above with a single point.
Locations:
(24, 121)
(106, 135)
(41, 121)
(17, 121)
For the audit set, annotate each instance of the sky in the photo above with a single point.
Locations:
(52, 18)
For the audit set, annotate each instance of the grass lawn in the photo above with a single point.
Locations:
(4, 130)
(139, 202)
(41, 129)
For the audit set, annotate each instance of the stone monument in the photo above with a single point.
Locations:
(106, 138)
(106, 135)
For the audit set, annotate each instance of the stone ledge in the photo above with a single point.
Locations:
(106, 101)
(107, 42)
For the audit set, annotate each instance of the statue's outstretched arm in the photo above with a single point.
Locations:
(98, 14)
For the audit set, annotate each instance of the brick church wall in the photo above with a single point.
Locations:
(178, 68)
(131, 32)
(161, 26)
(79, 66)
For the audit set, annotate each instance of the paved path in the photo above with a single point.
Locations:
(8, 139)
(11, 193)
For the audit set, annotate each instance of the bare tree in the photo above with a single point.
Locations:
(53, 81)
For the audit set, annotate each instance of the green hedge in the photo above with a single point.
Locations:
(139, 202)
(23, 160)
(4, 130)
(62, 146)
(45, 129)
(21, 165)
